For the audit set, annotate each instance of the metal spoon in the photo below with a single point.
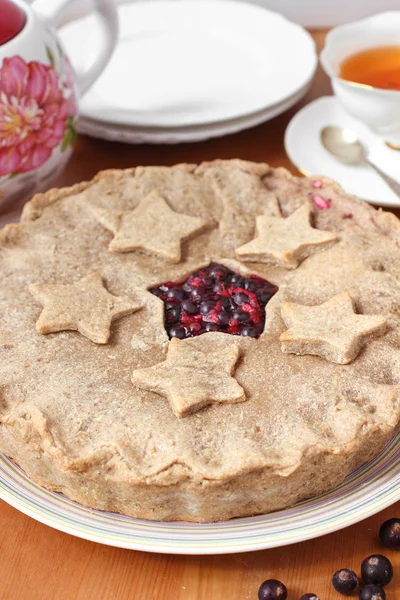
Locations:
(345, 146)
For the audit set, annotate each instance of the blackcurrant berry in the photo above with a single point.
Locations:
(272, 589)
(345, 581)
(372, 592)
(390, 534)
(377, 569)
(190, 307)
(176, 331)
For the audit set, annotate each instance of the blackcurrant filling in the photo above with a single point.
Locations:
(215, 299)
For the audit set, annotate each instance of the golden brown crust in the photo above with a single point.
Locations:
(34, 209)
(70, 415)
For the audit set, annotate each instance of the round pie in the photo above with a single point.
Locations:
(198, 342)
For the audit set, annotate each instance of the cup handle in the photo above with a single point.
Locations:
(50, 11)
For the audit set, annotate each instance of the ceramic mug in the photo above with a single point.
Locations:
(377, 108)
(39, 92)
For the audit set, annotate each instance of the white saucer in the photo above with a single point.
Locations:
(304, 148)
(192, 63)
(175, 135)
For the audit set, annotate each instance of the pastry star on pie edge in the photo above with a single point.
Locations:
(152, 227)
(192, 379)
(285, 242)
(331, 330)
(85, 306)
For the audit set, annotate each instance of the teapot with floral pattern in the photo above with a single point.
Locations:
(39, 93)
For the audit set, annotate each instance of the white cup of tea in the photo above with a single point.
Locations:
(366, 49)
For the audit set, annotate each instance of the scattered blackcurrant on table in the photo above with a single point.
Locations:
(372, 592)
(345, 581)
(272, 589)
(377, 569)
(389, 534)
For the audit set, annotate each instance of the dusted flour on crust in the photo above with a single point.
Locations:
(84, 418)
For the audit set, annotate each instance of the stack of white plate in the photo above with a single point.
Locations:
(190, 70)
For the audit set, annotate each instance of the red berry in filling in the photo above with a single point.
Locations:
(215, 299)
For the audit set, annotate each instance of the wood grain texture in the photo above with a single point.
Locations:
(39, 563)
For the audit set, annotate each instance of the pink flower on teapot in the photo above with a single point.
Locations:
(37, 113)
(38, 92)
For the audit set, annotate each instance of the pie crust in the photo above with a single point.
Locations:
(87, 405)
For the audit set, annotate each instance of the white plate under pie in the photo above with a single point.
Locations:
(175, 135)
(305, 150)
(192, 62)
(365, 492)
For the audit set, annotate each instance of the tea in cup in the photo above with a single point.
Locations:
(363, 62)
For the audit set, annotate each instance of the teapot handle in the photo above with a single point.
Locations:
(50, 11)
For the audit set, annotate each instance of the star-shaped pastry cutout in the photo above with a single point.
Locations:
(285, 242)
(331, 330)
(152, 227)
(192, 379)
(85, 306)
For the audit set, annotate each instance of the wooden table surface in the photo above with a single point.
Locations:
(40, 563)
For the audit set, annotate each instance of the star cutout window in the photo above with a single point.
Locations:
(215, 299)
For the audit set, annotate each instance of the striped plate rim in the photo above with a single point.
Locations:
(367, 491)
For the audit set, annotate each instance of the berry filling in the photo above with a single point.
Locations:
(215, 299)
